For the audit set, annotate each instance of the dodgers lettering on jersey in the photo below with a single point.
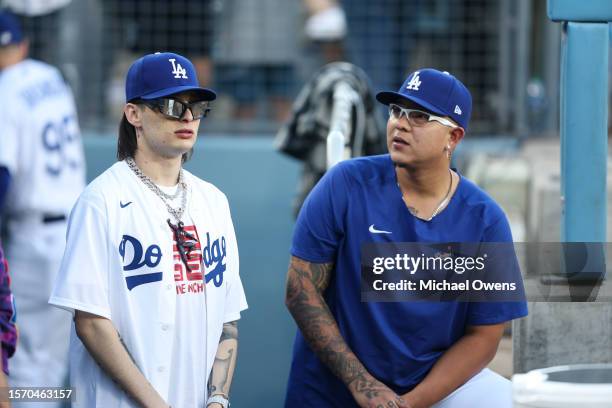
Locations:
(137, 258)
(214, 254)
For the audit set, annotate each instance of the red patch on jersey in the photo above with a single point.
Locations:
(194, 259)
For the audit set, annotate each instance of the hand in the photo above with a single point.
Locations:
(371, 393)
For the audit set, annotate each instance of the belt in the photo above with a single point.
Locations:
(49, 218)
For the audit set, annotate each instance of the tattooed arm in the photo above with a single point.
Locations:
(306, 283)
(225, 362)
(101, 339)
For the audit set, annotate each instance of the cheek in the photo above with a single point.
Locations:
(390, 129)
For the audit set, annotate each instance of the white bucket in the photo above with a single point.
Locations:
(581, 385)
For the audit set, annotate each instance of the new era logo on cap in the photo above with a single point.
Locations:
(436, 91)
(163, 74)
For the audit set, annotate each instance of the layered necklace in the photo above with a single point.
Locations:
(185, 241)
(440, 205)
(177, 213)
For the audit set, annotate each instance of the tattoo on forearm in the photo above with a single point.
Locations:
(222, 366)
(230, 331)
(305, 284)
(225, 360)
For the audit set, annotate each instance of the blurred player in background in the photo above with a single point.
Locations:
(41, 160)
(350, 353)
(156, 307)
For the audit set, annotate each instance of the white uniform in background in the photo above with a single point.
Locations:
(40, 144)
(122, 263)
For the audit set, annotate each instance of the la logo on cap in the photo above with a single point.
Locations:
(415, 82)
(6, 37)
(177, 69)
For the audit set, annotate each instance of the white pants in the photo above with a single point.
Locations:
(486, 389)
(41, 358)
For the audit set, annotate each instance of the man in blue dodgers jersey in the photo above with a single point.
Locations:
(151, 263)
(42, 172)
(349, 353)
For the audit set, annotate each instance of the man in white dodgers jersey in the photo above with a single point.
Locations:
(151, 263)
(42, 172)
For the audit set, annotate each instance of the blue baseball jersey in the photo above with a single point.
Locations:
(398, 342)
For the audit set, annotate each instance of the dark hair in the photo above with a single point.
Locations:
(127, 144)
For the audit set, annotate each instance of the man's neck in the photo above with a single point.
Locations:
(163, 171)
(11, 55)
(430, 182)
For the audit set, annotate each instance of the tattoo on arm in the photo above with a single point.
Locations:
(225, 360)
(306, 283)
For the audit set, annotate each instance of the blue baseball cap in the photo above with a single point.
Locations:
(438, 92)
(163, 74)
(10, 29)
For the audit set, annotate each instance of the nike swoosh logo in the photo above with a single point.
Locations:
(375, 231)
(124, 205)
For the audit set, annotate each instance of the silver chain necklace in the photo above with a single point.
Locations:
(439, 207)
(181, 189)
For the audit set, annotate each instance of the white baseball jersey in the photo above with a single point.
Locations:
(121, 263)
(41, 146)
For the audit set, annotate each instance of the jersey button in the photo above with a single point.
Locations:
(161, 369)
(165, 327)
(169, 287)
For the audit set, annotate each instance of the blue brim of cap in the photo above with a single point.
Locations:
(206, 94)
(388, 97)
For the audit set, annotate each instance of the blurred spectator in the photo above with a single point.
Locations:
(182, 26)
(137, 27)
(255, 55)
(326, 28)
(378, 38)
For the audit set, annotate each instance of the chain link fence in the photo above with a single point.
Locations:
(257, 54)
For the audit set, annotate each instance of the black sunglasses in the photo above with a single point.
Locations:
(175, 109)
(185, 242)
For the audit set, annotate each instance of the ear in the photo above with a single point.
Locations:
(455, 136)
(133, 114)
